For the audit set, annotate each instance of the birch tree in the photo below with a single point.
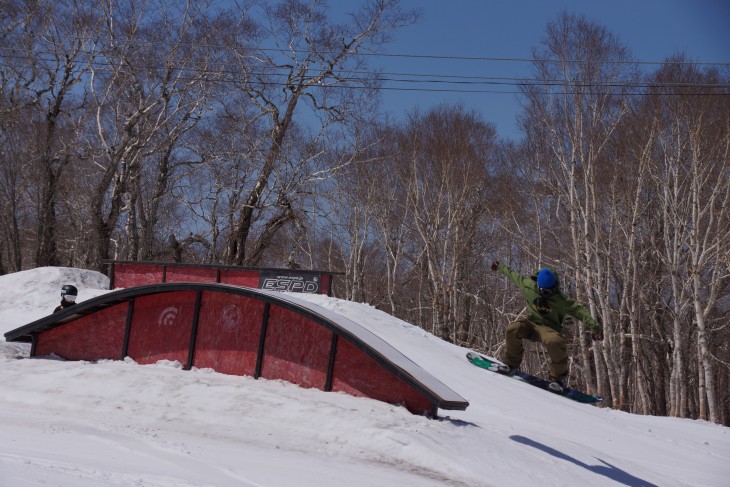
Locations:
(575, 112)
(146, 89)
(443, 160)
(695, 177)
(45, 46)
(182, 71)
(311, 66)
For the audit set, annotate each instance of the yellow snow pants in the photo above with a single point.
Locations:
(552, 339)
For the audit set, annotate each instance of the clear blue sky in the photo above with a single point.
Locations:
(652, 30)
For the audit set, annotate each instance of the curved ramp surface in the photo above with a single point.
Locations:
(240, 331)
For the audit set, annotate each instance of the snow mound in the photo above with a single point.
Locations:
(29, 295)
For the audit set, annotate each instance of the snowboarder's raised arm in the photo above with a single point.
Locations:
(580, 313)
(515, 277)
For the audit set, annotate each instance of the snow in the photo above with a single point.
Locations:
(117, 423)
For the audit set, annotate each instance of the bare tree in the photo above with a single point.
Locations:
(356, 203)
(13, 188)
(575, 115)
(693, 173)
(448, 193)
(183, 71)
(631, 207)
(433, 212)
(147, 87)
(311, 64)
(45, 46)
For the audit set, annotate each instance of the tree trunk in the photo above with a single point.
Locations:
(239, 235)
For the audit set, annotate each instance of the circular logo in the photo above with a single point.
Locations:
(231, 317)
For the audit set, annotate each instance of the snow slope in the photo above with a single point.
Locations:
(116, 423)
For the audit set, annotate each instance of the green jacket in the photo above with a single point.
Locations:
(548, 311)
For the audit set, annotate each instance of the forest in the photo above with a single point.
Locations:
(250, 133)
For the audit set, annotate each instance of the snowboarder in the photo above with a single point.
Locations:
(547, 308)
(68, 297)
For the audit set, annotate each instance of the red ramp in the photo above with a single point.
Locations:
(240, 331)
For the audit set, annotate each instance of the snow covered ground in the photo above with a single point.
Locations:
(116, 423)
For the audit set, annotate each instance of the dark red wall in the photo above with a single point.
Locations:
(161, 327)
(297, 349)
(132, 275)
(190, 274)
(228, 336)
(236, 277)
(92, 337)
(359, 375)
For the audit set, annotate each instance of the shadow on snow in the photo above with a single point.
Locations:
(607, 470)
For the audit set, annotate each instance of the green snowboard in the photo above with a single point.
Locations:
(485, 363)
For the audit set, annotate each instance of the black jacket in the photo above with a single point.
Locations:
(64, 304)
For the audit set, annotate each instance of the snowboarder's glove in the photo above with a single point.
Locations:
(597, 336)
(495, 265)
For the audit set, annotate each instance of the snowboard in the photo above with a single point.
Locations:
(490, 364)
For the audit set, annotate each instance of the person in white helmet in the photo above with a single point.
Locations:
(68, 297)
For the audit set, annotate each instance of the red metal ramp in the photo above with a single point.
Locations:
(240, 331)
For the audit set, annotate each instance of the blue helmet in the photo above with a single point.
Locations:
(547, 282)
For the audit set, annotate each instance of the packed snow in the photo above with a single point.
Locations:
(117, 423)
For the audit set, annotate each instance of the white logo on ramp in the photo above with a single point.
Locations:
(168, 315)
(231, 317)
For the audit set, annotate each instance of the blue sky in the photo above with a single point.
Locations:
(652, 30)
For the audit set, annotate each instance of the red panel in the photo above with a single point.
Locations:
(297, 349)
(360, 375)
(190, 274)
(161, 327)
(324, 283)
(92, 337)
(236, 277)
(229, 328)
(131, 275)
